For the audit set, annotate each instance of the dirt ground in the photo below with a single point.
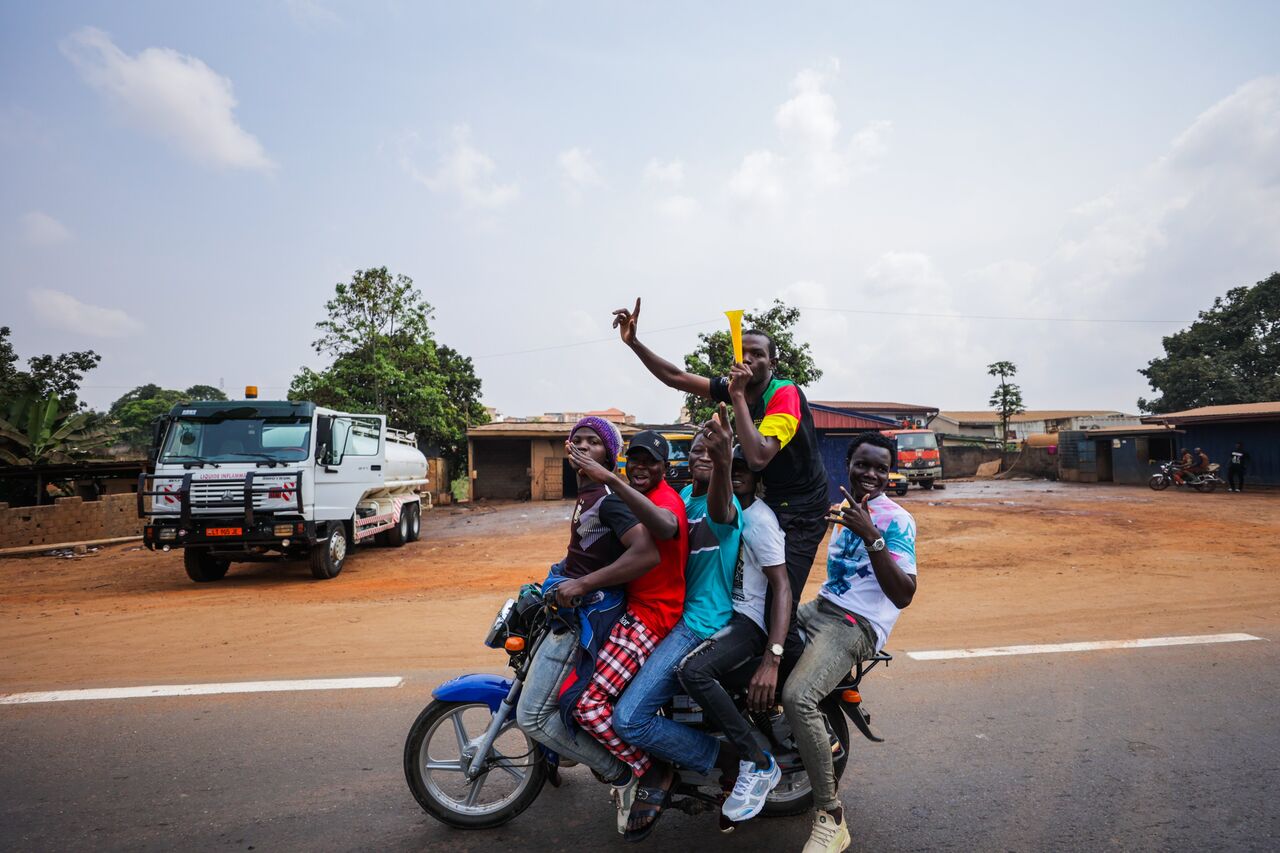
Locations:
(1000, 563)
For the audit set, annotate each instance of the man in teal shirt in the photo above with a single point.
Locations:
(715, 531)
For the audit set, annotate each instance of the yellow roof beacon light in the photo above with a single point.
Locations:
(251, 392)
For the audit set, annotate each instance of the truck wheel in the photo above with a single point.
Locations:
(203, 567)
(415, 523)
(926, 484)
(327, 557)
(399, 534)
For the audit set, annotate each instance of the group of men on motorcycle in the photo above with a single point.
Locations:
(696, 592)
(1189, 466)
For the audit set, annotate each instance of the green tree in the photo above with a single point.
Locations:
(385, 360)
(47, 375)
(1231, 354)
(714, 354)
(1007, 398)
(135, 410)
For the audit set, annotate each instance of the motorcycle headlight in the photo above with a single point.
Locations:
(498, 633)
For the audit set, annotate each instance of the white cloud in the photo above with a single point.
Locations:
(62, 311)
(169, 95)
(309, 12)
(42, 230)
(678, 207)
(812, 155)
(578, 169)
(759, 178)
(463, 169)
(669, 174)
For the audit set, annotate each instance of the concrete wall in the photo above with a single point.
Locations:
(70, 520)
(963, 461)
(546, 467)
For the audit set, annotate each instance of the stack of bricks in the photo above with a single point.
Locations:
(70, 520)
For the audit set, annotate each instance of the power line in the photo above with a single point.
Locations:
(990, 316)
(593, 341)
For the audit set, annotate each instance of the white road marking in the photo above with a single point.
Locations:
(200, 689)
(998, 651)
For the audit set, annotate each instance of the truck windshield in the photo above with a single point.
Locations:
(917, 441)
(286, 439)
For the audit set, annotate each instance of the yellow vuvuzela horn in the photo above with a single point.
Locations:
(735, 332)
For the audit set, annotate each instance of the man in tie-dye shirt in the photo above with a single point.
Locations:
(871, 577)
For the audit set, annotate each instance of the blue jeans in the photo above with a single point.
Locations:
(636, 719)
(538, 709)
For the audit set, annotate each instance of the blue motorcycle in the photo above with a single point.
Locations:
(470, 766)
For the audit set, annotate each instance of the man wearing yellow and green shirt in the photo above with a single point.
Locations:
(775, 429)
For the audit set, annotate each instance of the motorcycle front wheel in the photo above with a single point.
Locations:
(441, 744)
(1159, 482)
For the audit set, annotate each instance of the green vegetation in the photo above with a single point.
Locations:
(1230, 355)
(386, 360)
(1007, 398)
(714, 353)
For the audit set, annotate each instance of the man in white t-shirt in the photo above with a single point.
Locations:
(762, 564)
(871, 577)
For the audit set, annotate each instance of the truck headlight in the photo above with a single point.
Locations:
(283, 530)
(168, 533)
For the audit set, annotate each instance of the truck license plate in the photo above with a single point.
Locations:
(222, 531)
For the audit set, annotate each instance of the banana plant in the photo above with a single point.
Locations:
(33, 432)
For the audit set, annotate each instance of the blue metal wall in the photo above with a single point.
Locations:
(832, 447)
(1261, 439)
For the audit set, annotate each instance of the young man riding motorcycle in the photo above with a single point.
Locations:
(871, 577)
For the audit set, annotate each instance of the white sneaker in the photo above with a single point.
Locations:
(624, 796)
(828, 835)
(750, 790)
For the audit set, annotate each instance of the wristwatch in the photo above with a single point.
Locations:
(877, 545)
(777, 649)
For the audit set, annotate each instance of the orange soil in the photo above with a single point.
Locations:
(999, 564)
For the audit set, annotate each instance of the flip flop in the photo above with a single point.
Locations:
(649, 802)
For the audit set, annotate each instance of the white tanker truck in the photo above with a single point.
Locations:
(254, 480)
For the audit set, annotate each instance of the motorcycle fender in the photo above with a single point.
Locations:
(475, 687)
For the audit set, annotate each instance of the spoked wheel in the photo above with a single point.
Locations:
(1159, 482)
(794, 794)
(1206, 485)
(440, 748)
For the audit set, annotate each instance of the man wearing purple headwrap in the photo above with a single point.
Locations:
(608, 546)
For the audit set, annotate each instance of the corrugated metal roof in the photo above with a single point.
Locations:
(989, 417)
(825, 419)
(872, 408)
(1146, 429)
(534, 430)
(1237, 411)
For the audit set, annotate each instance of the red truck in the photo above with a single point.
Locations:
(919, 458)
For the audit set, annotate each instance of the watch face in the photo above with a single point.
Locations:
(776, 649)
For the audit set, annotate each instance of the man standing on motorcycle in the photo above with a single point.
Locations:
(871, 577)
(775, 429)
(608, 548)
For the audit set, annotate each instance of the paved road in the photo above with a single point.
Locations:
(1154, 749)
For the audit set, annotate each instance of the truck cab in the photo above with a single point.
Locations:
(253, 480)
(919, 459)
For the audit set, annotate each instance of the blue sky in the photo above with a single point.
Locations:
(182, 184)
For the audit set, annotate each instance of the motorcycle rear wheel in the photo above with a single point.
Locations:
(794, 794)
(1206, 485)
(441, 743)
